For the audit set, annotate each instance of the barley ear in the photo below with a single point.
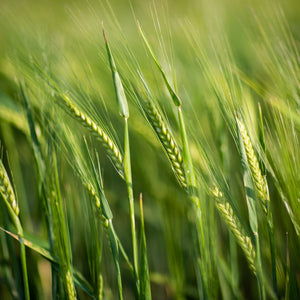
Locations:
(93, 194)
(70, 286)
(165, 137)
(7, 191)
(258, 180)
(111, 147)
(235, 227)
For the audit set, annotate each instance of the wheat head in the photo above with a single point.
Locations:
(258, 179)
(167, 140)
(236, 228)
(110, 146)
(70, 286)
(7, 191)
(93, 193)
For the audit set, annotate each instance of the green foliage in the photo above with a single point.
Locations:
(212, 88)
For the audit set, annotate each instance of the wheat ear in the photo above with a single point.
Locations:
(167, 140)
(93, 193)
(70, 286)
(10, 200)
(258, 179)
(110, 146)
(7, 191)
(236, 228)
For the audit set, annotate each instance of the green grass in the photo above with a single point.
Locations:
(157, 159)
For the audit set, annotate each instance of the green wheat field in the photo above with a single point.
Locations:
(150, 149)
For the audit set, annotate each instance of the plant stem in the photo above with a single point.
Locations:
(17, 223)
(262, 294)
(23, 257)
(115, 250)
(128, 179)
(193, 193)
(190, 175)
(273, 257)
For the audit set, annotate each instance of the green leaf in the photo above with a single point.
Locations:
(145, 287)
(177, 101)
(35, 143)
(261, 140)
(119, 89)
(105, 209)
(115, 252)
(41, 247)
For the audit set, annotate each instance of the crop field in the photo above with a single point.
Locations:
(150, 149)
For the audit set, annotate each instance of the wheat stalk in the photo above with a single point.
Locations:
(258, 179)
(236, 228)
(6, 190)
(110, 146)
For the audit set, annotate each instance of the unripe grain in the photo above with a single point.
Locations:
(6, 190)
